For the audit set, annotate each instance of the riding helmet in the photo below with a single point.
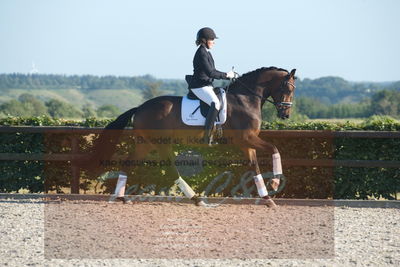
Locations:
(206, 33)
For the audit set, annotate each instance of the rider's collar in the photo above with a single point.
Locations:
(205, 46)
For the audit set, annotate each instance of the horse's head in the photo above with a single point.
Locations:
(268, 82)
(282, 94)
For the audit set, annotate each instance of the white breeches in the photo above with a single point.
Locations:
(207, 95)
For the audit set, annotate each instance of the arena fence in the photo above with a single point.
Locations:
(282, 135)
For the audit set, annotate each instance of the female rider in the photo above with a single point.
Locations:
(204, 73)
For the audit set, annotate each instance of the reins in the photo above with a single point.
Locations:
(277, 104)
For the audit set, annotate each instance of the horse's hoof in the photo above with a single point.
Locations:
(269, 202)
(120, 199)
(198, 202)
(275, 183)
(201, 203)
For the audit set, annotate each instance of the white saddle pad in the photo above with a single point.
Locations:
(193, 117)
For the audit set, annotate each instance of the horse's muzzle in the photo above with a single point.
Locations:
(283, 113)
(284, 117)
(283, 109)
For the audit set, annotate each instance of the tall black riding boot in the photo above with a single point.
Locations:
(211, 117)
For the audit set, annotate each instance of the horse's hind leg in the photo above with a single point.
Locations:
(167, 154)
(141, 151)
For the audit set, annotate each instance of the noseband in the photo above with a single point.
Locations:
(282, 105)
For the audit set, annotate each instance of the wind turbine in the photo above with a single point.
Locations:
(34, 70)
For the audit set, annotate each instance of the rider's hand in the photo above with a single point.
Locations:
(231, 74)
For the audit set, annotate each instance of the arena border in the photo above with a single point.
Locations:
(210, 200)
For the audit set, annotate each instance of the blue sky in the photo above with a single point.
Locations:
(358, 40)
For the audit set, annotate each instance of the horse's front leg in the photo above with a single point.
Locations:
(276, 169)
(253, 141)
(251, 156)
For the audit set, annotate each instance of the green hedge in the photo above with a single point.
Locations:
(49, 121)
(374, 123)
(301, 182)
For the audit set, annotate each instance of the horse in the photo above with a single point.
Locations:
(160, 117)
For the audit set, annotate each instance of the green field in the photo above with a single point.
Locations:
(122, 98)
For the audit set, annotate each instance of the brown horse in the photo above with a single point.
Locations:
(160, 118)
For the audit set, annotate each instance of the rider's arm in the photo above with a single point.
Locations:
(208, 68)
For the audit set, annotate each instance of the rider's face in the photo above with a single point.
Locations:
(210, 43)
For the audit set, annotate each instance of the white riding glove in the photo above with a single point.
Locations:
(231, 75)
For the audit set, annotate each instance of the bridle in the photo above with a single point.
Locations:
(282, 105)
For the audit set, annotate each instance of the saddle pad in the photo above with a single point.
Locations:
(191, 116)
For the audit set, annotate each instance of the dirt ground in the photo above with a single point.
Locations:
(101, 230)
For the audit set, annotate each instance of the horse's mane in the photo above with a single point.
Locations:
(249, 77)
(264, 69)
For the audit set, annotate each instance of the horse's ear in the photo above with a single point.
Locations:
(292, 72)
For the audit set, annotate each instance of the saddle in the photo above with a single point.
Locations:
(204, 107)
(194, 111)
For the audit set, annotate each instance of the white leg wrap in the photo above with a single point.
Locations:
(262, 190)
(185, 188)
(276, 164)
(121, 183)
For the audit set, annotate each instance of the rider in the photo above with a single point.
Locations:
(204, 73)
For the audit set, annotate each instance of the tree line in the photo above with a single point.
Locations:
(382, 103)
(385, 102)
(333, 90)
(328, 90)
(85, 82)
(327, 97)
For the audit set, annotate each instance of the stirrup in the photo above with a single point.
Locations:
(219, 133)
(209, 140)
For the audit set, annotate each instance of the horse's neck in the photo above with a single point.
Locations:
(252, 96)
(244, 104)
(254, 93)
(257, 84)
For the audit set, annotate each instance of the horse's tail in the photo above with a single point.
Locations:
(105, 146)
(122, 120)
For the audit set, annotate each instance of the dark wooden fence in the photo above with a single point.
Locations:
(266, 134)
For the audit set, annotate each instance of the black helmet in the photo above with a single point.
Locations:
(206, 33)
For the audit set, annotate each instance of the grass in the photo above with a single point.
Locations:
(122, 98)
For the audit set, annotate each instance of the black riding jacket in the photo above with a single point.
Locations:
(204, 71)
